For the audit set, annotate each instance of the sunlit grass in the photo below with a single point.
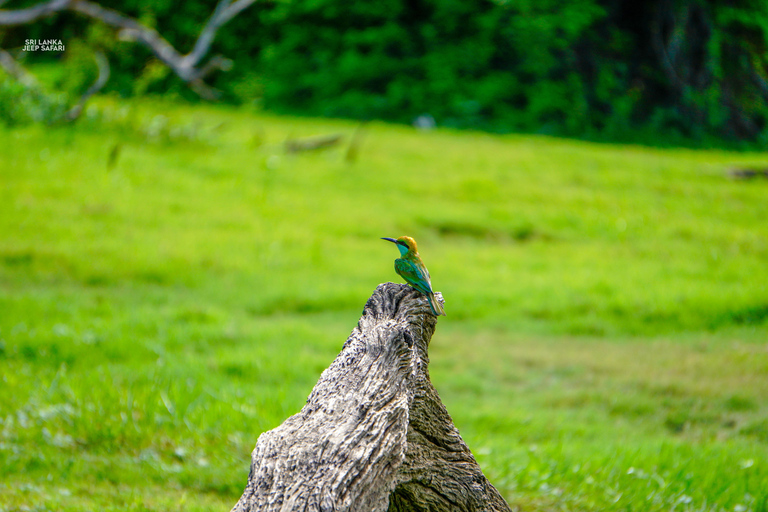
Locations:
(614, 424)
(607, 306)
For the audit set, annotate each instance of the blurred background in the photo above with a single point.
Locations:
(192, 197)
(660, 71)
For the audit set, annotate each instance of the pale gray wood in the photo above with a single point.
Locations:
(373, 435)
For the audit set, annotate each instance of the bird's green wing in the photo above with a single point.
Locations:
(416, 275)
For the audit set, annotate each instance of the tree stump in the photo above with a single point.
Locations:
(373, 435)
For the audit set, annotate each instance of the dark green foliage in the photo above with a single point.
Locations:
(662, 71)
(470, 63)
(589, 68)
(21, 105)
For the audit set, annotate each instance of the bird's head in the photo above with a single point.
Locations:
(404, 244)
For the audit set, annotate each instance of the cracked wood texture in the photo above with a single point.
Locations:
(373, 435)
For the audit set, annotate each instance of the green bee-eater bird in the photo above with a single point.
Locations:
(412, 269)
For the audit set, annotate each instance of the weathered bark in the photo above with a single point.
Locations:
(373, 435)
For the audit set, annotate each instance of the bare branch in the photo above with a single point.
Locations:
(312, 143)
(101, 81)
(747, 174)
(184, 66)
(221, 15)
(204, 90)
(13, 68)
(24, 16)
(216, 62)
(149, 37)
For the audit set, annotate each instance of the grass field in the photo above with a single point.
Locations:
(172, 284)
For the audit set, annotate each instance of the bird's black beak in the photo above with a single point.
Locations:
(391, 240)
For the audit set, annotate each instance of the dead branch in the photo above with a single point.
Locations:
(312, 143)
(225, 11)
(30, 14)
(747, 174)
(187, 67)
(16, 70)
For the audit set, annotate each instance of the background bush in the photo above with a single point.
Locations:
(656, 71)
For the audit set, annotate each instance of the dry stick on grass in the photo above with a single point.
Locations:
(354, 145)
(373, 435)
(312, 143)
(747, 174)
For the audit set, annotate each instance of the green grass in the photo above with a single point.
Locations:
(604, 349)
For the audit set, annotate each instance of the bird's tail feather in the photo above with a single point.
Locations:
(437, 308)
